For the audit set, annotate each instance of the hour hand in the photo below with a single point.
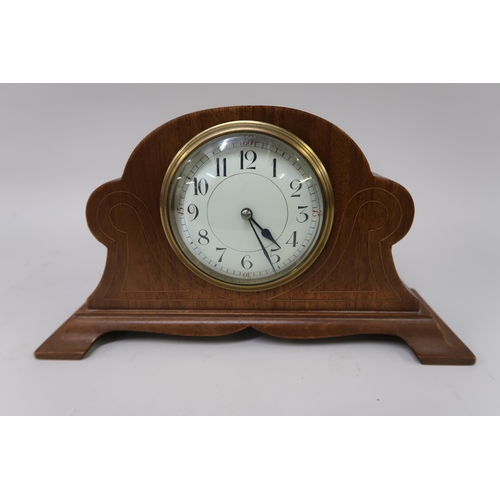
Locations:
(262, 245)
(265, 232)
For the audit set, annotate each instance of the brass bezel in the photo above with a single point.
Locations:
(238, 127)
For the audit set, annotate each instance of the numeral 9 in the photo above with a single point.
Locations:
(193, 210)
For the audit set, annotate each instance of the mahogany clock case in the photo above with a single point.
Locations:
(351, 288)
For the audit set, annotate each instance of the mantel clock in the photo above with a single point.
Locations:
(252, 217)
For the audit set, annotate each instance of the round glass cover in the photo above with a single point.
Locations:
(247, 205)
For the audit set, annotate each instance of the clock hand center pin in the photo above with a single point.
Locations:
(246, 214)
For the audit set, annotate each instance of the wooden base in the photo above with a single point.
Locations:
(427, 335)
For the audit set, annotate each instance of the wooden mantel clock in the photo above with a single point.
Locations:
(252, 216)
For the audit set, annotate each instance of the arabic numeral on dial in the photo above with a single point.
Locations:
(249, 156)
(223, 250)
(303, 217)
(292, 240)
(275, 258)
(296, 185)
(203, 237)
(218, 167)
(200, 187)
(246, 263)
(193, 210)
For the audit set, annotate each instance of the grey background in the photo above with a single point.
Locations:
(59, 142)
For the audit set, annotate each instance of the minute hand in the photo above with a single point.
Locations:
(265, 232)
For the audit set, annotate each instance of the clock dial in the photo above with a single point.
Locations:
(247, 205)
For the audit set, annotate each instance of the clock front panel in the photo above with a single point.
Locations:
(212, 205)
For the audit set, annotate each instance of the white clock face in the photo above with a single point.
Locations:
(245, 208)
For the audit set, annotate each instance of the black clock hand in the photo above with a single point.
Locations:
(261, 245)
(265, 232)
